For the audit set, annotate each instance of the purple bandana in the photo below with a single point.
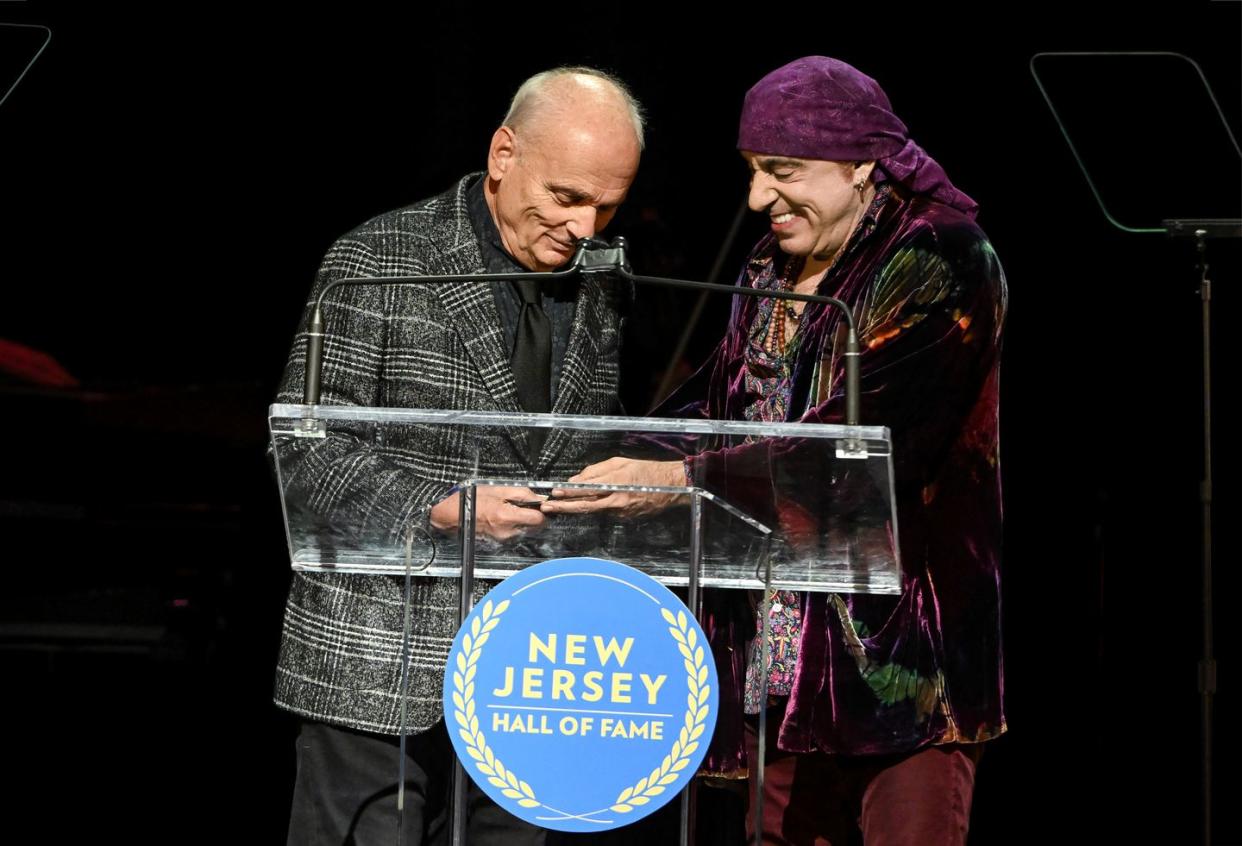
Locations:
(822, 108)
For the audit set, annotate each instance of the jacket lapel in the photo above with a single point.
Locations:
(472, 309)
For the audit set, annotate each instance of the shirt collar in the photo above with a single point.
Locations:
(496, 258)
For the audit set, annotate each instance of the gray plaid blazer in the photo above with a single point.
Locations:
(415, 346)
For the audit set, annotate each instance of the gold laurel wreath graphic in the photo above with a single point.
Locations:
(514, 788)
(696, 715)
(468, 721)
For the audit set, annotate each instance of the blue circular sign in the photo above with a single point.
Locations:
(580, 694)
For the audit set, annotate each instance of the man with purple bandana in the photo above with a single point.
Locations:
(879, 704)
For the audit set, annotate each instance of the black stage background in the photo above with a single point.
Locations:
(171, 179)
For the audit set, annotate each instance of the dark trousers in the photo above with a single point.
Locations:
(346, 793)
(917, 799)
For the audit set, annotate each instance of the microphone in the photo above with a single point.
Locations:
(597, 256)
(591, 256)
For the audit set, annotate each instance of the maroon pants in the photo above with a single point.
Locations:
(815, 799)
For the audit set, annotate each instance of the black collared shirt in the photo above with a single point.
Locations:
(559, 299)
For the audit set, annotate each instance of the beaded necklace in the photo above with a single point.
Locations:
(783, 310)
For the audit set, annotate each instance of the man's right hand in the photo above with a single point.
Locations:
(496, 516)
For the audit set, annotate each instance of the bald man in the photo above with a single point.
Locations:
(557, 169)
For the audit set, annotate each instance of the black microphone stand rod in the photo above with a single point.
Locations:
(591, 256)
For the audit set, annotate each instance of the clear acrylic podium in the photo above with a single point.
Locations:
(772, 505)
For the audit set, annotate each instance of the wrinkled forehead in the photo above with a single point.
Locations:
(577, 153)
(769, 162)
(771, 159)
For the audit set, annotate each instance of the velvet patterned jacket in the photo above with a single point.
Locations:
(880, 674)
